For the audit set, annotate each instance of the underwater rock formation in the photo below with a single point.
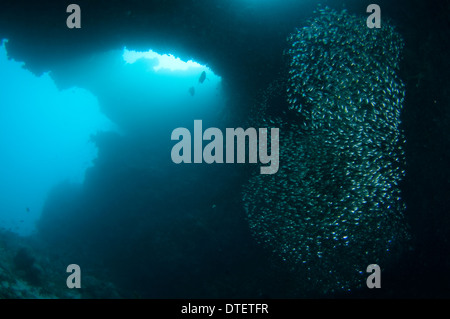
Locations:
(25, 264)
(33, 270)
(334, 207)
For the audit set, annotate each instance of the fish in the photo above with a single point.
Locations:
(342, 157)
(202, 77)
(191, 91)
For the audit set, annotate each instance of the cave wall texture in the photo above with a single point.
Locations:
(235, 38)
(232, 37)
(226, 35)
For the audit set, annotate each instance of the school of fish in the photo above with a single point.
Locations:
(335, 206)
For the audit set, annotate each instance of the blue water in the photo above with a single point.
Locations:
(45, 131)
